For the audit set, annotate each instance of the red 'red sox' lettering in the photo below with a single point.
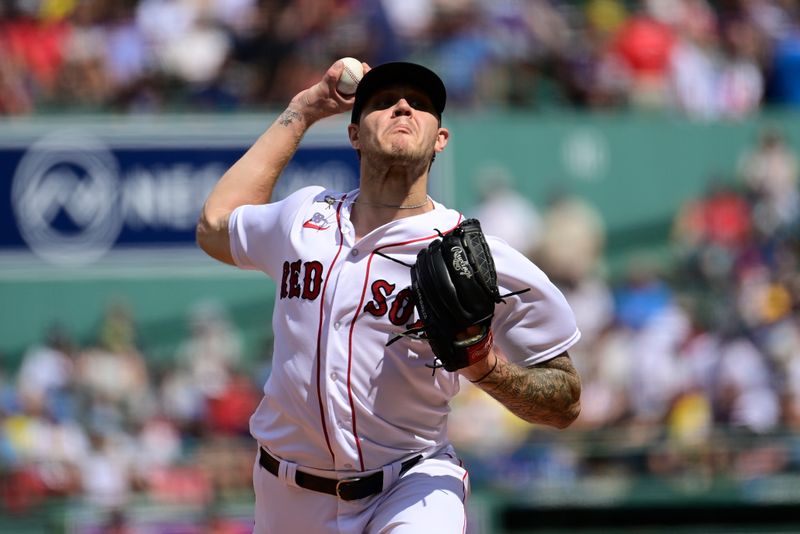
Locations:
(312, 280)
(304, 280)
(402, 308)
(380, 290)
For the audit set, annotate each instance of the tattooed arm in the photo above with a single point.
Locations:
(252, 178)
(547, 393)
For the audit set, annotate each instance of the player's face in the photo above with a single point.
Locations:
(399, 124)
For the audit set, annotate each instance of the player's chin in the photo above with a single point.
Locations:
(399, 154)
(402, 153)
(411, 150)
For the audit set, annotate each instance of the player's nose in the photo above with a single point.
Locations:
(401, 107)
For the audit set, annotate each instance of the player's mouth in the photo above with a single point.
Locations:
(401, 128)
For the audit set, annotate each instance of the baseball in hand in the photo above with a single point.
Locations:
(351, 75)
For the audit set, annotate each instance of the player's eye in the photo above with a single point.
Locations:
(384, 102)
(420, 104)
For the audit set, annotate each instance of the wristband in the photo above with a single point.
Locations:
(480, 350)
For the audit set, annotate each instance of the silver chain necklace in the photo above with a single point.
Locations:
(330, 200)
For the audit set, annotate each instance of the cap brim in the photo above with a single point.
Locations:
(399, 73)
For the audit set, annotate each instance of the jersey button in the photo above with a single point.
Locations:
(334, 377)
(337, 325)
(354, 252)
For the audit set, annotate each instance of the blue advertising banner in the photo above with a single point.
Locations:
(72, 196)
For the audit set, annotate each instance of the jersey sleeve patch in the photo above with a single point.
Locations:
(260, 233)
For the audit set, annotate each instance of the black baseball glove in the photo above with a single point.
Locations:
(454, 283)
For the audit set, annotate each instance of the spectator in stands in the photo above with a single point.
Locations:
(35, 48)
(460, 51)
(505, 212)
(213, 349)
(569, 219)
(708, 232)
(742, 81)
(606, 374)
(644, 45)
(113, 374)
(647, 307)
(83, 81)
(785, 66)
(47, 371)
(693, 70)
(106, 469)
(771, 173)
(745, 394)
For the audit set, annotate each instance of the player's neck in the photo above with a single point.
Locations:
(365, 219)
(381, 202)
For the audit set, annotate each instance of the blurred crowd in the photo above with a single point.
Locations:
(690, 358)
(101, 424)
(706, 58)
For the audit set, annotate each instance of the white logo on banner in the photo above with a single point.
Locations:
(67, 178)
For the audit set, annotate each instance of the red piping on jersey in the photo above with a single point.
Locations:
(319, 335)
(353, 324)
(464, 485)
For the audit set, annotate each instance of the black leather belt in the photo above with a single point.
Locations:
(347, 489)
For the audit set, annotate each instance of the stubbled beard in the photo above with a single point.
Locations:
(402, 156)
(415, 162)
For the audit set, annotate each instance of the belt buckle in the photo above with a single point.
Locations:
(343, 484)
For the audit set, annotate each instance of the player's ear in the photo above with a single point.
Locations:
(352, 133)
(441, 139)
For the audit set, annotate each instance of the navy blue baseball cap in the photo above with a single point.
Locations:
(399, 73)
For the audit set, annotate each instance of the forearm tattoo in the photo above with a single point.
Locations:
(287, 117)
(548, 393)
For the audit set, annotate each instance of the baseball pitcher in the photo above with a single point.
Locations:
(384, 299)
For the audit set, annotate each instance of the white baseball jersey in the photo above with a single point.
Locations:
(338, 398)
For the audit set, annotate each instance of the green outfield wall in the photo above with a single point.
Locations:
(636, 169)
